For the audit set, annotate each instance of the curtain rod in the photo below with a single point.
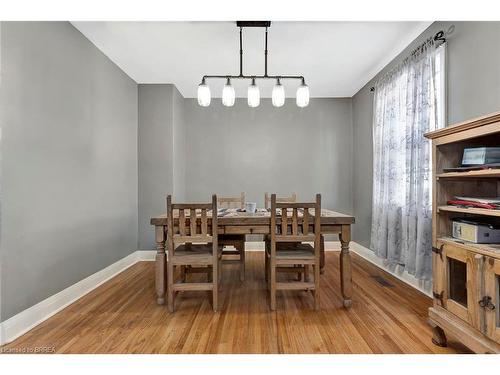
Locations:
(440, 37)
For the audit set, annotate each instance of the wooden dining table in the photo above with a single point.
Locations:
(233, 221)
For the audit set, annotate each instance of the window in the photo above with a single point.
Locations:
(409, 101)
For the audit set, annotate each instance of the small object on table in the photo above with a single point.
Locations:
(250, 207)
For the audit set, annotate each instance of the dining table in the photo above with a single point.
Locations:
(237, 221)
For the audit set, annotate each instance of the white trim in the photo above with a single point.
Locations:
(21, 323)
(332, 245)
(146, 255)
(396, 271)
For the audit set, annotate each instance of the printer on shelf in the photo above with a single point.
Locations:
(477, 231)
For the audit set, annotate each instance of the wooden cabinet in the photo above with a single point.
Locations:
(458, 290)
(465, 275)
(491, 298)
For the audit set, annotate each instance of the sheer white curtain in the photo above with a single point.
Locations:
(409, 101)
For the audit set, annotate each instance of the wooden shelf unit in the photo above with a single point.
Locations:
(466, 276)
(480, 248)
(469, 210)
(483, 173)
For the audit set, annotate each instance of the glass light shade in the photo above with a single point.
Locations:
(228, 95)
(203, 94)
(278, 95)
(303, 95)
(253, 95)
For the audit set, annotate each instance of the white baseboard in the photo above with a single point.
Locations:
(21, 323)
(146, 255)
(396, 271)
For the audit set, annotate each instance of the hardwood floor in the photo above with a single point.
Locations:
(121, 316)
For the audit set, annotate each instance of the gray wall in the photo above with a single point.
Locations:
(69, 162)
(179, 149)
(306, 150)
(161, 154)
(192, 152)
(155, 156)
(473, 73)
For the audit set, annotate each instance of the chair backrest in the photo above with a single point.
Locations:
(267, 199)
(231, 202)
(189, 222)
(295, 228)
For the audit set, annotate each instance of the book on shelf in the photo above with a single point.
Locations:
(472, 202)
(492, 200)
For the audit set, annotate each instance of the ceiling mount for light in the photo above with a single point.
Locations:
(228, 94)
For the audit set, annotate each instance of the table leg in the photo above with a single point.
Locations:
(161, 268)
(322, 255)
(345, 265)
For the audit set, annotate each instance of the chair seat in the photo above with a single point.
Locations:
(194, 254)
(286, 250)
(294, 251)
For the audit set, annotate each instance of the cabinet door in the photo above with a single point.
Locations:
(461, 282)
(491, 304)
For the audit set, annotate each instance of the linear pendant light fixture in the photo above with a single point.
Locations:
(253, 95)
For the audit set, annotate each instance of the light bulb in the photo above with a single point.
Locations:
(203, 94)
(228, 94)
(253, 94)
(303, 95)
(278, 94)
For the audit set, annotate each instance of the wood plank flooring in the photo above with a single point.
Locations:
(121, 316)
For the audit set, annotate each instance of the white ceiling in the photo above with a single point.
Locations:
(336, 58)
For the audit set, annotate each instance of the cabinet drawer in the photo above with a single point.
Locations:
(238, 229)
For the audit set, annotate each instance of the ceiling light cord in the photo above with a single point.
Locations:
(241, 51)
(265, 57)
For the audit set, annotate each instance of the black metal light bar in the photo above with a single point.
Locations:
(253, 23)
(241, 25)
(253, 77)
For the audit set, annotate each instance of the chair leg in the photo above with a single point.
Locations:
(183, 274)
(266, 263)
(316, 286)
(273, 285)
(306, 272)
(210, 274)
(170, 286)
(219, 270)
(322, 255)
(215, 286)
(242, 260)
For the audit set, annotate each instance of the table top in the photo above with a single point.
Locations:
(232, 216)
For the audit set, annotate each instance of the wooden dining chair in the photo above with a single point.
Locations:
(267, 199)
(287, 245)
(237, 241)
(193, 243)
(267, 202)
